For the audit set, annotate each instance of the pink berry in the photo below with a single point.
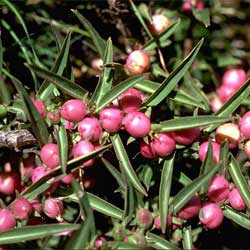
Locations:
(216, 104)
(191, 209)
(163, 144)
(73, 110)
(204, 148)
(130, 100)
(225, 92)
(218, 189)
(144, 218)
(159, 24)
(111, 119)
(40, 106)
(137, 62)
(37, 206)
(97, 64)
(229, 131)
(22, 208)
(90, 129)
(9, 183)
(236, 200)
(38, 173)
(247, 148)
(211, 215)
(82, 148)
(245, 125)
(53, 208)
(68, 125)
(54, 117)
(7, 221)
(147, 150)
(157, 222)
(137, 124)
(50, 155)
(234, 78)
(199, 5)
(186, 6)
(100, 242)
(186, 136)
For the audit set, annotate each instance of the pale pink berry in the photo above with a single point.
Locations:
(130, 100)
(22, 208)
(247, 148)
(50, 155)
(53, 208)
(163, 144)
(186, 136)
(245, 125)
(204, 148)
(100, 243)
(37, 206)
(38, 173)
(137, 62)
(90, 129)
(191, 209)
(97, 64)
(111, 119)
(218, 189)
(40, 106)
(216, 104)
(73, 110)
(236, 200)
(229, 131)
(144, 218)
(7, 220)
(82, 148)
(159, 23)
(211, 215)
(157, 222)
(68, 125)
(9, 183)
(234, 78)
(137, 124)
(147, 150)
(225, 92)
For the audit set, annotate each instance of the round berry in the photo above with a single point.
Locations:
(159, 24)
(204, 148)
(22, 208)
(245, 125)
(50, 155)
(236, 200)
(7, 220)
(9, 183)
(53, 208)
(147, 150)
(234, 78)
(40, 106)
(186, 136)
(144, 218)
(191, 209)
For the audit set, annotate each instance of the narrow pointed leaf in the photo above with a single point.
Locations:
(202, 16)
(191, 122)
(224, 151)
(67, 86)
(62, 139)
(165, 188)
(117, 90)
(239, 180)
(125, 164)
(105, 81)
(187, 241)
(174, 77)
(129, 204)
(187, 192)
(99, 43)
(28, 233)
(119, 245)
(241, 219)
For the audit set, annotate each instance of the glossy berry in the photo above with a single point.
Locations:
(204, 148)
(159, 24)
(137, 62)
(38, 173)
(97, 64)
(236, 201)
(9, 183)
(229, 131)
(50, 155)
(53, 208)
(40, 106)
(73, 110)
(144, 218)
(22, 208)
(37, 206)
(147, 150)
(216, 104)
(82, 148)
(7, 220)
(218, 189)
(90, 129)
(111, 119)
(245, 125)
(225, 92)
(186, 136)
(137, 124)
(211, 215)
(163, 144)
(191, 209)
(234, 78)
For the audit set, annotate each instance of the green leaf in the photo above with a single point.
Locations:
(28, 233)
(1, 57)
(146, 176)
(125, 164)
(58, 67)
(239, 180)
(105, 81)
(117, 90)
(241, 219)
(62, 140)
(119, 245)
(37, 122)
(99, 43)
(67, 86)
(187, 238)
(144, 11)
(165, 188)
(153, 42)
(232, 104)
(159, 243)
(174, 77)
(185, 194)
(224, 61)
(202, 16)
(191, 122)
(129, 204)
(224, 151)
